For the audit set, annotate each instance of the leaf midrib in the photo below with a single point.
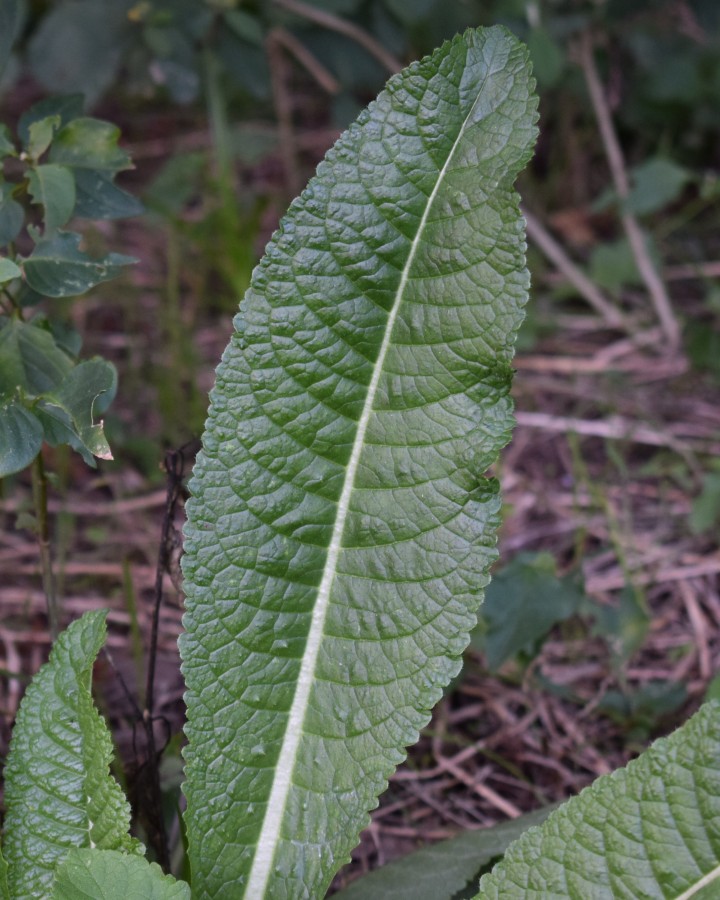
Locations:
(272, 823)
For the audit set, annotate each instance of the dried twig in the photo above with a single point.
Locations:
(343, 26)
(550, 248)
(646, 268)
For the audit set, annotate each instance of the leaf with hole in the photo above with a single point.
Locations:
(58, 268)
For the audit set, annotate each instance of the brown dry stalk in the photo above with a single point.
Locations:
(646, 268)
(343, 26)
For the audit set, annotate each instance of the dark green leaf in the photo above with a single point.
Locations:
(7, 145)
(30, 360)
(78, 46)
(440, 871)
(655, 184)
(10, 18)
(58, 790)
(53, 187)
(245, 25)
(176, 183)
(68, 107)
(409, 13)
(72, 405)
(21, 437)
(12, 216)
(8, 270)
(90, 144)
(547, 57)
(705, 512)
(522, 603)
(58, 268)
(111, 875)
(99, 198)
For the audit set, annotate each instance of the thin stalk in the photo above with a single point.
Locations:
(39, 489)
(217, 114)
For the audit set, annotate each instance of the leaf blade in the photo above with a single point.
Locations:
(390, 224)
(648, 830)
(58, 790)
(112, 875)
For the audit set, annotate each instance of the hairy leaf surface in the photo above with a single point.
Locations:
(58, 791)
(651, 830)
(342, 523)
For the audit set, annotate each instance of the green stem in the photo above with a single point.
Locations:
(39, 487)
(217, 113)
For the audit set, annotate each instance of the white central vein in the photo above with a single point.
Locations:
(699, 885)
(269, 834)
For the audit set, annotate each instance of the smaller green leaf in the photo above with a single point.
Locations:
(440, 871)
(90, 144)
(111, 875)
(245, 25)
(655, 184)
(7, 145)
(21, 437)
(30, 359)
(72, 406)
(58, 268)
(68, 107)
(11, 15)
(53, 187)
(41, 135)
(522, 603)
(58, 791)
(8, 270)
(12, 215)
(547, 57)
(99, 198)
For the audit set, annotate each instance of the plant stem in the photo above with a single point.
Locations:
(39, 488)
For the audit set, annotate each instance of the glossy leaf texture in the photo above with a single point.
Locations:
(342, 523)
(112, 875)
(651, 830)
(58, 791)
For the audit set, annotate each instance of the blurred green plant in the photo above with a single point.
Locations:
(60, 165)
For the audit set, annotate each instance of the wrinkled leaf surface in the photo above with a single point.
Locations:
(342, 524)
(58, 791)
(651, 830)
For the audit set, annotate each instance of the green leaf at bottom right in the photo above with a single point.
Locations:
(650, 830)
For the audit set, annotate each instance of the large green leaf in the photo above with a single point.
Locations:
(111, 875)
(58, 791)
(342, 523)
(651, 830)
(4, 890)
